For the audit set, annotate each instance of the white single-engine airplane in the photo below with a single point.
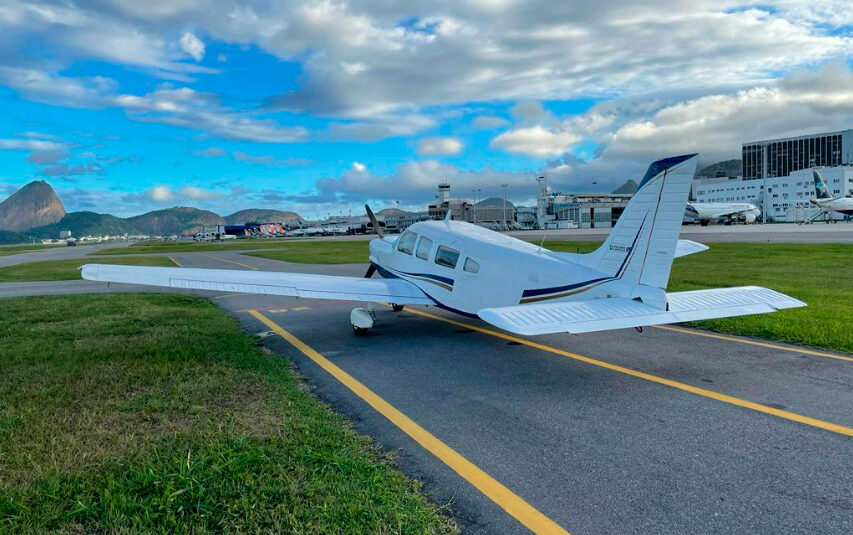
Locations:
(507, 282)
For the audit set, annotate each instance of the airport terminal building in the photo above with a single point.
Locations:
(784, 166)
(781, 157)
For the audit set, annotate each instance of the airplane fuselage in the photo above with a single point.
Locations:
(842, 205)
(466, 268)
(712, 211)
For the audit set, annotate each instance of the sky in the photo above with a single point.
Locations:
(320, 106)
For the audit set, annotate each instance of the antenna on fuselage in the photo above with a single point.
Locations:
(448, 216)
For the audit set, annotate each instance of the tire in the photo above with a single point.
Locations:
(359, 331)
(397, 308)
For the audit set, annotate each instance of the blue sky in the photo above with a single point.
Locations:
(319, 107)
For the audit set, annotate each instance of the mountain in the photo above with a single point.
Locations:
(391, 212)
(87, 224)
(628, 187)
(721, 169)
(7, 237)
(496, 202)
(177, 220)
(34, 205)
(260, 215)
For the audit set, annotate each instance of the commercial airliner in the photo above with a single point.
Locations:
(827, 202)
(510, 283)
(728, 212)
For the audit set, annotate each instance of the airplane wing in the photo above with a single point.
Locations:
(686, 247)
(396, 291)
(619, 313)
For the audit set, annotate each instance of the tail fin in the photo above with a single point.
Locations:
(820, 189)
(641, 246)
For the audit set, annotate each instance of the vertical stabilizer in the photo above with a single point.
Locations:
(641, 246)
(820, 189)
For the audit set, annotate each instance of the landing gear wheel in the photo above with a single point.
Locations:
(396, 308)
(361, 320)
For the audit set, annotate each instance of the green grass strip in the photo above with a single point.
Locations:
(55, 270)
(157, 414)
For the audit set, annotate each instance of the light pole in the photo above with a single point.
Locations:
(505, 224)
(476, 192)
(539, 204)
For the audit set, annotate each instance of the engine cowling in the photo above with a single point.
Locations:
(750, 218)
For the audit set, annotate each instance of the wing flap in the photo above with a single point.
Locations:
(619, 313)
(303, 285)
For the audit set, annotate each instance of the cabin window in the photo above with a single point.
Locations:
(407, 242)
(447, 257)
(424, 247)
(471, 266)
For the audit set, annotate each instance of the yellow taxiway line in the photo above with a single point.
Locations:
(725, 398)
(253, 268)
(175, 261)
(510, 502)
(803, 351)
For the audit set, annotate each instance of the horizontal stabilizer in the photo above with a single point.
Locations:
(619, 313)
(686, 247)
(396, 291)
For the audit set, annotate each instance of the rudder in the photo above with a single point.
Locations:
(641, 246)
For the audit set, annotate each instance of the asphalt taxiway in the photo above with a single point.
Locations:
(667, 431)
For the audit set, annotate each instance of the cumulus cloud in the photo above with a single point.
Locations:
(412, 183)
(536, 141)
(210, 152)
(714, 125)
(183, 107)
(166, 194)
(31, 144)
(488, 122)
(271, 161)
(192, 45)
(160, 194)
(447, 146)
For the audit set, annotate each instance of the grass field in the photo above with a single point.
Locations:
(819, 274)
(318, 252)
(157, 414)
(6, 250)
(55, 270)
(157, 246)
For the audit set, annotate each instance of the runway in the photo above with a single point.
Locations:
(665, 431)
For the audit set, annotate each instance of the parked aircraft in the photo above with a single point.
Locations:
(728, 212)
(510, 283)
(827, 202)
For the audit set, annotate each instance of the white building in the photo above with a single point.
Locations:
(787, 198)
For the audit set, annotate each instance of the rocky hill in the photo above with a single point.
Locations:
(628, 187)
(34, 205)
(260, 215)
(88, 224)
(496, 202)
(177, 220)
(721, 169)
(391, 212)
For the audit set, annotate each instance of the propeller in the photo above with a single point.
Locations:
(376, 228)
(371, 269)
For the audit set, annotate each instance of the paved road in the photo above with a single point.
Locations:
(619, 432)
(56, 253)
(775, 233)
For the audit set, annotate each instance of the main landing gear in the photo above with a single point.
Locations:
(363, 319)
